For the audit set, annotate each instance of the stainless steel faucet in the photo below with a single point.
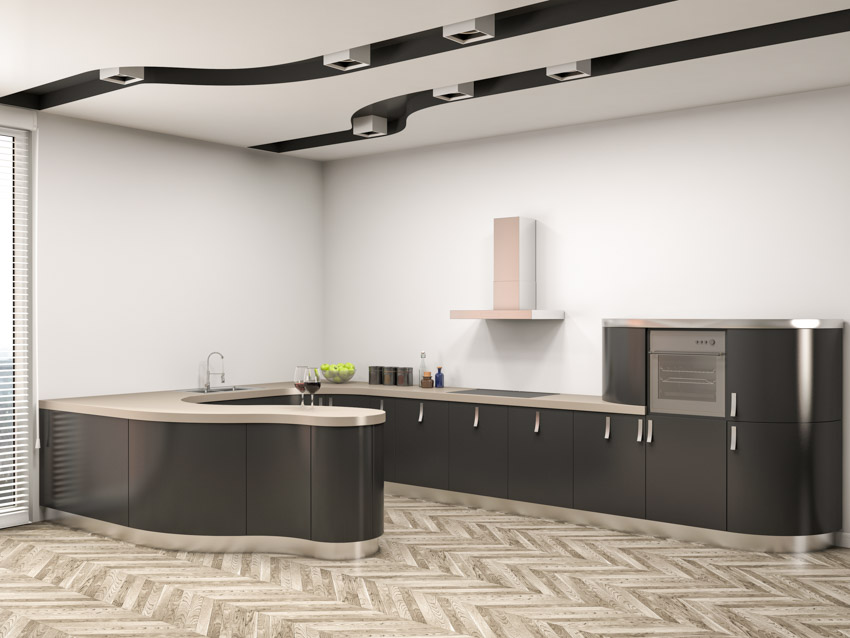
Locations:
(221, 374)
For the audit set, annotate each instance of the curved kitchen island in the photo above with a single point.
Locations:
(180, 471)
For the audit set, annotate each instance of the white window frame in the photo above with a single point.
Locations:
(21, 121)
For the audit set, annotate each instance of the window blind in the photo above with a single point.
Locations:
(15, 395)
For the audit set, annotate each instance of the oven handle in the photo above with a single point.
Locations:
(701, 354)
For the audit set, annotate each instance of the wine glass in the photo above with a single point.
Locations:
(312, 383)
(300, 379)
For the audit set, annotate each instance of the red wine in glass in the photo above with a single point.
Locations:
(312, 383)
(300, 378)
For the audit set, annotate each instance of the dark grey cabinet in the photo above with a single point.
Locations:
(478, 449)
(377, 403)
(784, 478)
(422, 443)
(278, 489)
(540, 456)
(174, 467)
(784, 376)
(84, 466)
(343, 485)
(609, 472)
(686, 471)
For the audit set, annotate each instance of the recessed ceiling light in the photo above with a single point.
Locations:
(455, 92)
(370, 126)
(569, 71)
(474, 30)
(350, 59)
(123, 74)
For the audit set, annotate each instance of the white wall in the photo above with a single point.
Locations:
(739, 210)
(155, 250)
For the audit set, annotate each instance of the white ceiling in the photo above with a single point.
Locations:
(89, 34)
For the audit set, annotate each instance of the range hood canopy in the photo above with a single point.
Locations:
(514, 274)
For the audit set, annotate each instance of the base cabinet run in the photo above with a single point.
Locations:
(216, 479)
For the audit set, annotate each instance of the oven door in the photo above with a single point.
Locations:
(687, 383)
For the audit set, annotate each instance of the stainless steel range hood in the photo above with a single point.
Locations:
(514, 274)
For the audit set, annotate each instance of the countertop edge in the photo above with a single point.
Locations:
(719, 324)
(185, 407)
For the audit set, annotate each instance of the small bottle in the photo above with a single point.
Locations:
(422, 366)
(427, 381)
(438, 378)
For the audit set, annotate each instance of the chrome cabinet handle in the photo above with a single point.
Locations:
(475, 421)
(733, 410)
(382, 405)
(607, 427)
(640, 430)
(421, 411)
(733, 444)
(537, 422)
(649, 431)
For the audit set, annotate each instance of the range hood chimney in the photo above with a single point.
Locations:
(514, 274)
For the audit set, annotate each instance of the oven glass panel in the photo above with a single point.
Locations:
(688, 377)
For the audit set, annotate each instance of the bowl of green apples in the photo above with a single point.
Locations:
(338, 372)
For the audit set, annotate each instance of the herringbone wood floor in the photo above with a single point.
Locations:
(443, 570)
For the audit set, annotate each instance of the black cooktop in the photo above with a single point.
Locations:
(506, 393)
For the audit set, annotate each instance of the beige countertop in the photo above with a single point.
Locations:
(179, 406)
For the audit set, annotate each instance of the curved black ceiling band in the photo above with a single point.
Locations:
(396, 110)
(509, 24)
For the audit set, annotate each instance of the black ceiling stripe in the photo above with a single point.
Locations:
(398, 109)
(516, 22)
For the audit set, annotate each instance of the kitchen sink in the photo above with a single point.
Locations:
(223, 388)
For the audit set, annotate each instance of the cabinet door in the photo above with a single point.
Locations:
(422, 443)
(343, 484)
(784, 478)
(478, 449)
(609, 473)
(377, 403)
(278, 485)
(686, 471)
(785, 375)
(84, 465)
(174, 467)
(540, 463)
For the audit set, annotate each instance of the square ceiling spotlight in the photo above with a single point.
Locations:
(350, 59)
(474, 30)
(370, 126)
(569, 71)
(456, 92)
(123, 74)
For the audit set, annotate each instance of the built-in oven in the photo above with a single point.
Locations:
(687, 372)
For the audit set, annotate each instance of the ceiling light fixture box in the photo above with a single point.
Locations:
(350, 59)
(474, 30)
(569, 71)
(123, 74)
(370, 126)
(455, 92)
